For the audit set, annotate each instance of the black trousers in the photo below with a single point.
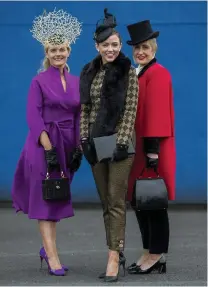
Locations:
(154, 227)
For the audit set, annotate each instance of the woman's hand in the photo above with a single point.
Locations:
(52, 160)
(152, 160)
(152, 155)
(89, 151)
(45, 141)
(120, 153)
(76, 159)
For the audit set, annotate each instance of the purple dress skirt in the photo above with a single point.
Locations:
(57, 112)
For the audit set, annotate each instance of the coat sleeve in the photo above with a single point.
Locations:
(126, 127)
(158, 105)
(34, 111)
(84, 121)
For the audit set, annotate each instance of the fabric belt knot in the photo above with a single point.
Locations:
(55, 133)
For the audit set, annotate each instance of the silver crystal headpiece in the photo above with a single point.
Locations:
(56, 27)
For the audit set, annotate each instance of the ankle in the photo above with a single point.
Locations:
(113, 255)
(145, 251)
(155, 256)
(52, 256)
(143, 258)
(54, 259)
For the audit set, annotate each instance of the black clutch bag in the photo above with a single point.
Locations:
(150, 193)
(56, 189)
(105, 146)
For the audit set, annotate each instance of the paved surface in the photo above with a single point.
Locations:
(81, 243)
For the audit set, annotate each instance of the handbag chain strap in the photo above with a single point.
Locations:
(48, 174)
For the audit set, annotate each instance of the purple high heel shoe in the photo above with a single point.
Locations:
(58, 272)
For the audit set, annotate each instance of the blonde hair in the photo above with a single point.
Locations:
(153, 44)
(46, 63)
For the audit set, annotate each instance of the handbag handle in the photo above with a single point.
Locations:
(48, 174)
(155, 170)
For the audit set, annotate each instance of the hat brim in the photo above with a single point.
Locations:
(151, 36)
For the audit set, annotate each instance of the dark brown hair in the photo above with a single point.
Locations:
(113, 33)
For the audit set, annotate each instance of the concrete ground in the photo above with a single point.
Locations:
(81, 242)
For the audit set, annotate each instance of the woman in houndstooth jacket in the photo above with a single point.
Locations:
(109, 94)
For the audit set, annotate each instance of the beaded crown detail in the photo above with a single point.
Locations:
(56, 27)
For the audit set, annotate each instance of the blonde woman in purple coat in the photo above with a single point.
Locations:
(53, 112)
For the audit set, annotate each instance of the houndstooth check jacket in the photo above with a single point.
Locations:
(125, 126)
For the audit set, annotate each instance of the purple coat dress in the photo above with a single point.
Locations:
(57, 112)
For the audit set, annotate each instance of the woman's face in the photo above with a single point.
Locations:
(58, 54)
(109, 49)
(143, 53)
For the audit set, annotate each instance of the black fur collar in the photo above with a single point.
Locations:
(113, 92)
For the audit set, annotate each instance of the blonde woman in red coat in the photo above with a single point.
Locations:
(155, 144)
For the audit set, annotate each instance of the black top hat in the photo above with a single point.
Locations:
(140, 32)
(105, 27)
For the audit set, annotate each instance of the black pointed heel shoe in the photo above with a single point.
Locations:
(122, 261)
(158, 266)
(111, 279)
(134, 268)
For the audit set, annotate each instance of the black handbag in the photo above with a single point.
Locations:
(56, 189)
(106, 145)
(150, 193)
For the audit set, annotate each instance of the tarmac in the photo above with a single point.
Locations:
(81, 244)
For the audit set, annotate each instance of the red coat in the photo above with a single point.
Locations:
(155, 118)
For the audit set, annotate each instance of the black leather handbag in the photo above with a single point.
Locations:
(56, 189)
(150, 193)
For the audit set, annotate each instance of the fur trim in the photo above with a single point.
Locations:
(113, 93)
(143, 70)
